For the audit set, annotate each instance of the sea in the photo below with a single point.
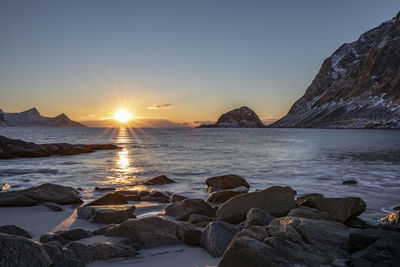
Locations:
(308, 160)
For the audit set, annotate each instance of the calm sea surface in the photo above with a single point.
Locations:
(308, 160)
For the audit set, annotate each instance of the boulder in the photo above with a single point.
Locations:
(176, 198)
(393, 217)
(361, 239)
(183, 209)
(143, 193)
(148, 231)
(108, 250)
(109, 199)
(103, 230)
(225, 182)
(217, 236)
(51, 237)
(14, 230)
(275, 200)
(61, 257)
(200, 220)
(101, 188)
(81, 251)
(309, 213)
(257, 216)
(113, 215)
(383, 252)
(159, 180)
(43, 193)
(63, 237)
(157, 196)
(222, 196)
(313, 200)
(188, 233)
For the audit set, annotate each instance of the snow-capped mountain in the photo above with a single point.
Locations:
(358, 86)
(32, 117)
(238, 118)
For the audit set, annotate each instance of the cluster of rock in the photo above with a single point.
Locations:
(269, 227)
(14, 148)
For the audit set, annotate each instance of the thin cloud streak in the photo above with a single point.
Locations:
(162, 106)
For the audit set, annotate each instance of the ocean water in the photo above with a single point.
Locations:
(308, 160)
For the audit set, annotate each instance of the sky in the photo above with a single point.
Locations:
(184, 61)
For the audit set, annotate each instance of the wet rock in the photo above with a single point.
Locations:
(200, 220)
(245, 251)
(5, 187)
(217, 236)
(106, 214)
(309, 213)
(275, 200)
(20, 251)
(103, 230)
(183, 209)
(393, 217)
(43, 193)
(50, 237)
(349, 182)
(383, 252)
(159, 180)
(53, 207)
(157, 196)
(148, 231)
(102, 189)
(257, 216)
(60, 256)
(357, 222)
(143, 193)
(176, 198)
(313, 200)
(14, 230)
(361, 239)
(225, 182)
(133, 197)
(396, 208)
(222, 196)
(188, 233)
(109, 199)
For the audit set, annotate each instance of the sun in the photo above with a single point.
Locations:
(122, 115)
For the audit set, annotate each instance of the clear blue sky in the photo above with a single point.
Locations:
(87, 57)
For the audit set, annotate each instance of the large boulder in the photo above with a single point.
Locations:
(159, 180)
(257, 216)
(43, 193)
(217, 236)
(14, 230)
(309, 213)
(148, 231)
(275, 200)
(225, 182)
(183, 209)
(106, 214)
(188, 233)
(224, 195)
(109, 199)
(61, 257)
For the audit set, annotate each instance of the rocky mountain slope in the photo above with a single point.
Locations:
(358, 86)
(32, 117)
(242, 117)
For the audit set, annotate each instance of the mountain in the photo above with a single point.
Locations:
(358, 86)
(238, 118)
(32, 117)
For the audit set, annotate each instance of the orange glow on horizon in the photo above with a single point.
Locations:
(122, 115)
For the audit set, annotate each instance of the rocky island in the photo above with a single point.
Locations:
(358, 86)
(242, 117)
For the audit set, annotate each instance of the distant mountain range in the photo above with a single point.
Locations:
(358, 86)
(33, 118)
(242, 117)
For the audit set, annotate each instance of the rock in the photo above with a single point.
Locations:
(50, 237)
(383, 252)
(349, 182)
(313, 200)
(275, 200)
(246, 251)
(159, 180)
(133, 197)
(200, 220)
(61, 257)
(176, 198)
(157, 196)
(222, 196)
(393, 217)
(357, 222)
(107, 213)
(103, 230)
(109, 199)
(5, 187)
(188, 233)
(53, 207)
(361, 239)
(256, 232)
(81, 251)
(396, 208)
(43, 193)
(225, 182)
(13, 148)
(108, 250)
(257, 216)
(183, 209)
(217, 236)
(20, 251)
(148, 231)
(75, 234)
(14, 230)
(309, 213)
(101, 189)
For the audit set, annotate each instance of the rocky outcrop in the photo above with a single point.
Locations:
(14, 148)
(43, 193)
(32, 118)
(356, 87)
(242, 117)
(275, 200)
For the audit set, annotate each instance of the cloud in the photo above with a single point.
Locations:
(160, 106)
